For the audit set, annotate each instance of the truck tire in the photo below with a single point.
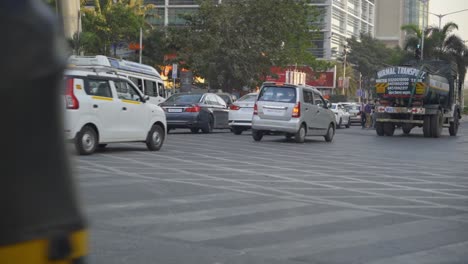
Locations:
(389, 129)
(427, 126)
(406, 128)
(379, 128)
(453, 129)
(437, 121)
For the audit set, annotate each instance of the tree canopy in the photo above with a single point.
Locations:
(235, 43)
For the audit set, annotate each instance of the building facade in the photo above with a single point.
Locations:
(392, 14)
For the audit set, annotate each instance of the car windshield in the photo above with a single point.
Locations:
(278, 94)
(248, 98)
(184, 98)
(352, 107)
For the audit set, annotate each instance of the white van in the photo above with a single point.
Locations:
(104, 108)
(145, 77)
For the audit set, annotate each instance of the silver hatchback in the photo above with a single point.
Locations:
(293, 110)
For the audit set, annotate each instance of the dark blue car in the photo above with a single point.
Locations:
(196, 111)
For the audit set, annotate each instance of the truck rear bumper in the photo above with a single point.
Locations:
(394, 120)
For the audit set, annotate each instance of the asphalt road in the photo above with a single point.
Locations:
(222, 198)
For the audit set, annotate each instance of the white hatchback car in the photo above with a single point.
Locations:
(104, 108)
(241, 112)
(341, 114)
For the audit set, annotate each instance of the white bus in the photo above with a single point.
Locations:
(145, 77)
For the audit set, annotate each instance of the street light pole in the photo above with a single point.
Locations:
(440, 16)
(344, 68)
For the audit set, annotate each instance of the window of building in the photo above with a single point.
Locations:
(175, 15)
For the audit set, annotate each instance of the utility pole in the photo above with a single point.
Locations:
(141, 44)
(344, 68)
(425, 9)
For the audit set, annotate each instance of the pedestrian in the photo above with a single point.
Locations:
(367, 113)
(363, 115)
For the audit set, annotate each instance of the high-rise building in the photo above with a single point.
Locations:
(338, 20)
(392, 14)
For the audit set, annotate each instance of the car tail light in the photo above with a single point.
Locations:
(255, 112)
(296, 112)
(234, 107)
(70, 98)
(193, 109)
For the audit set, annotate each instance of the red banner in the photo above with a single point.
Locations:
(319, 80)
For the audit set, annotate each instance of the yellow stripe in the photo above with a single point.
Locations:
(130, 102)
(102, 98)
(438, 88)
(36, 251)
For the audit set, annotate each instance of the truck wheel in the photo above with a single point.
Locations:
(389, 129)
(437, 124)
(86, 141)
(257, 135)
(427, 126)
(155, 138)
(406, 128)
(453, 129)
(379, 128)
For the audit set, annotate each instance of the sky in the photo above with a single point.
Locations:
(448, 6)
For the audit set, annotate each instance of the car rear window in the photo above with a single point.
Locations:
(225, 97)
(184, 98)
(278, 94)
(248, 98)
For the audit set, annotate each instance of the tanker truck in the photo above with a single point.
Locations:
(424, 94)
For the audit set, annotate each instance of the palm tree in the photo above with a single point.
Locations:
(440, 44)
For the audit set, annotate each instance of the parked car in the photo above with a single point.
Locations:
(196, 111)
(341, 114)
(293, 110)
(241, 112)
(108, 108)
(354, 112)
(227, 97)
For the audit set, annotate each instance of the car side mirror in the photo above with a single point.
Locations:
(146, 98)
(329, 105)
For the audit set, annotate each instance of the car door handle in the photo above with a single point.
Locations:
(95, 106)
(124, 108)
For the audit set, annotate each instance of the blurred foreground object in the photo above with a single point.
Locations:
(40, 219)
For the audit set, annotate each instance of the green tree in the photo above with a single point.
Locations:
(235, 43)
(111, 23)
(369, 55)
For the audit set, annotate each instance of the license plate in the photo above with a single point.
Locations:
(274, 112)
(389, 109)
(174, 110)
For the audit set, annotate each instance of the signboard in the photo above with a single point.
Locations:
(174, 71)
(398, 81)
(319, 80)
